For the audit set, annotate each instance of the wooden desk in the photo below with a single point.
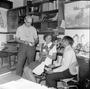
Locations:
(7, 53)
(12, 53)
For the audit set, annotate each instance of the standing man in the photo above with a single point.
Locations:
(26, 36)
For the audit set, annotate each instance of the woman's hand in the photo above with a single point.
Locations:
(61, 50)
(51, 66)
(39, 59)
(43, 54)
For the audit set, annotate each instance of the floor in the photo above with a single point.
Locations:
(84, 66)
(6, 68)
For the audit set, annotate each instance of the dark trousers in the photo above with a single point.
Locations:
(25, 51)
(52, 79)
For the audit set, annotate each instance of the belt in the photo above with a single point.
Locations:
(30, 44)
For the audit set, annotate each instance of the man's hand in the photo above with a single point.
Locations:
(27, 42)
(32, 43)
(50, 71)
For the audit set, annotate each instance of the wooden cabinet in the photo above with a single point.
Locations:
(47, 15)
(12, 18)
(15, 18)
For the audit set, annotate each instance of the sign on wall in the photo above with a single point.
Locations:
(3, 18)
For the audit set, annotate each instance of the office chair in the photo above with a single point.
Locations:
(70, 83)
(41, 77)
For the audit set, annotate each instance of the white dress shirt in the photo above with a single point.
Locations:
(69, 58)
(26, 34)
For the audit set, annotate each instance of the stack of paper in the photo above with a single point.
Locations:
(22, 84)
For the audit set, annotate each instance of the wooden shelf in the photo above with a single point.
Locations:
(7, 32)
(39, 3)
(37, 14)
(12, 41)
(36, 22)
(49, 21)
(46, 21)
(44, 32)
(18, 8)
(22, 16)
(39, 32)
(50, 11)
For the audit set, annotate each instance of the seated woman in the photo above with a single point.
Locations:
(47, 55)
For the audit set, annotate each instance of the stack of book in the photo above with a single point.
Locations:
(50, 5)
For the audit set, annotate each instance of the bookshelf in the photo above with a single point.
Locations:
(47, 15)
(51, 13)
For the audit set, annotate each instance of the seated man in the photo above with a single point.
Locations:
(68, 65)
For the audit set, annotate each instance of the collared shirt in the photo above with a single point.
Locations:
(53, 50)
(48, 60)
(69, 58)
(26, 34)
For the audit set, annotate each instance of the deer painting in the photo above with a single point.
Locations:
(80, 14)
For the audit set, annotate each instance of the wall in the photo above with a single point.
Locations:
(3, 38)
(3, 25)
(3, 29)
(17, 3)
(77, 14)
(80, 32)
(72, 33)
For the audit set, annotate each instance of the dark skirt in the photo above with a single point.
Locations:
(34, 64)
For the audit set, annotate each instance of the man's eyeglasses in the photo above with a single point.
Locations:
(27, 21)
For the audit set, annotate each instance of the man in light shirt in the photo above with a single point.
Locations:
(26, 36)
(68, 65)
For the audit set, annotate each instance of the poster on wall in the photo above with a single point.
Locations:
(77, 15)
(3, 19)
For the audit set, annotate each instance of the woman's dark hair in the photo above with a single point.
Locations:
(69, 39)
(48, 34)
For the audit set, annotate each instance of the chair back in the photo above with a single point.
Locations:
(77, 69)
(73, 68)
(72, 79)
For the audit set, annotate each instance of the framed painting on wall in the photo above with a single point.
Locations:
(3, 18)
(77, 15)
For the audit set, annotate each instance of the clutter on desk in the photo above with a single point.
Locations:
(10, 46)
